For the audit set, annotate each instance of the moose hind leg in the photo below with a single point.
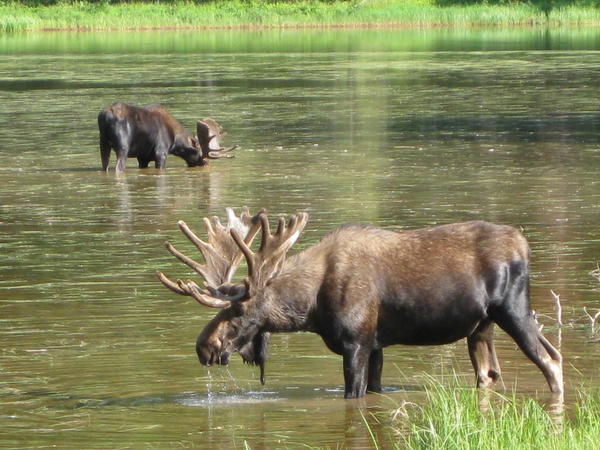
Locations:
(483, 355)
(536, 347)
(375, 368)
(104, 152)
(143, 162)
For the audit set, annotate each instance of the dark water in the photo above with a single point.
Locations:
(394, 128)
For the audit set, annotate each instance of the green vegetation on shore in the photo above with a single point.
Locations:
(15, 16)
(472, 419)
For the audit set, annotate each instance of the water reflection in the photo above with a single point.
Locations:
(293, 41)
(401, 129)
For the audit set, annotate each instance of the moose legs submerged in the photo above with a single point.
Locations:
(535, 346)
(363, 366)
(362, 370)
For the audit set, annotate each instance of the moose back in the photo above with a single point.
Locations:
(363, 288)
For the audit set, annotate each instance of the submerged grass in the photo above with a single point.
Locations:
(302, 13)
(454, 418)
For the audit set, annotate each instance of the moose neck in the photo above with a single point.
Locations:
(293, 294)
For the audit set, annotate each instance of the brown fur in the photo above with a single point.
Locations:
(363, 288)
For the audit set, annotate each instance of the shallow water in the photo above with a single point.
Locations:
(394, 128)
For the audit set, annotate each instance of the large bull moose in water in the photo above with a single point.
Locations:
(150, 134)
(363, 288)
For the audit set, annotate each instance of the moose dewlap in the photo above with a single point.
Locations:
(362, 288)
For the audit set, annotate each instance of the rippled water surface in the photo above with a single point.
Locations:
(395, 128)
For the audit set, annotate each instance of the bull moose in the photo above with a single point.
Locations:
(151, 133)
(363, 288)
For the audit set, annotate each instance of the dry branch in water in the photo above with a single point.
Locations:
(596, 272)
(558, 307)
(593, 319)
(535, 317)
(559, 322)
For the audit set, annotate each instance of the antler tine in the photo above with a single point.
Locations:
(245, 214)
(287, 235)
(208, 251)
(213, 298)
(245, 222)
(266, 232)
(170, 284)
(246, 250)
(268, 260)
(258, 221)
(222, 256)
(199, 243)
(283, 229)
(211, 276)
(280, 225)
(221, 152)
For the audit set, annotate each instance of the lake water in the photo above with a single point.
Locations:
(401, 129)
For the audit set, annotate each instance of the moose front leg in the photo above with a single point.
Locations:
(375, 368)
(121, 159)
(160, 160)
(356, 368)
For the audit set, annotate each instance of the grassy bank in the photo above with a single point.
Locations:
(240, 14)
(454, 418)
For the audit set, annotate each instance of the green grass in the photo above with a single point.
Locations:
(302, 13)
(453, 418)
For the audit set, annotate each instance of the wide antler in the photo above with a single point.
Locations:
(210, 134)
(266, 263)
(222, 256)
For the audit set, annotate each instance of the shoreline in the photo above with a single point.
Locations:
(302, 27)
(299, 15)
(308, 26)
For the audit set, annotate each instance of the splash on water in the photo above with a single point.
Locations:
(218, 393)
(213, 399)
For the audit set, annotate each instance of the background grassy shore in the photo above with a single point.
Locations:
(16, 16)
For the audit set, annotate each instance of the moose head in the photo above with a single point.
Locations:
(205, 145)
(240, 326)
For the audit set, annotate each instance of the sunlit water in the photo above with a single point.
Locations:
(394, 128)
